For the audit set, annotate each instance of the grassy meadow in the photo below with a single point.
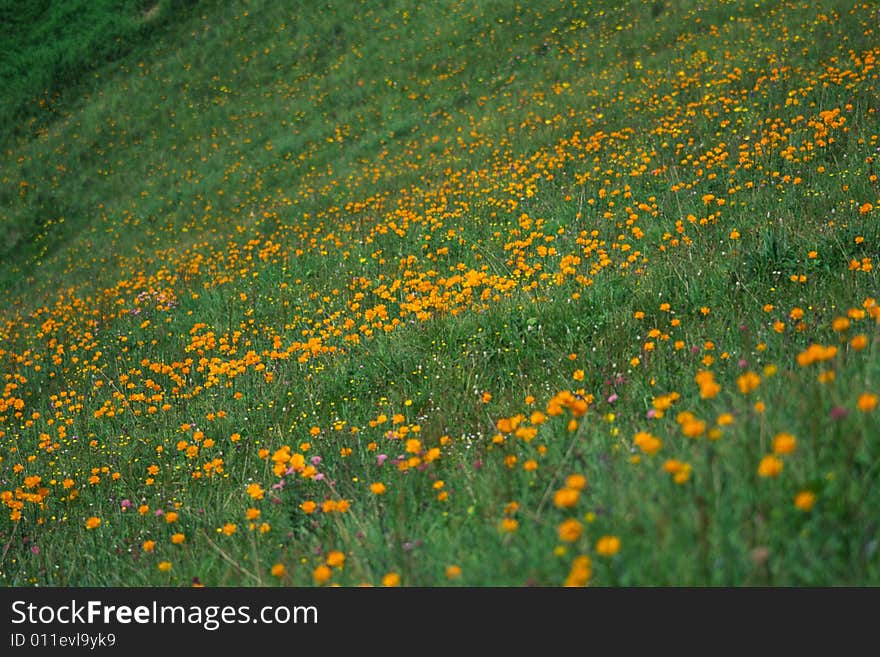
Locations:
(467, 293)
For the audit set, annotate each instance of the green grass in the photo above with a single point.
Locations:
(466, 250)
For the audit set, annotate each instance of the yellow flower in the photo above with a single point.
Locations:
(784, 443)
(164, 566)
(570, 530)
(391, 579)
(93, 523)
(255, 491)
(770, 466)
(178, 538)
(278, 570)
(608, 546)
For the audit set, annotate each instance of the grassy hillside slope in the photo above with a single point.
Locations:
(469, 293)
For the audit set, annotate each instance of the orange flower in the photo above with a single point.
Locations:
(748, 382)
(566, 498)
(770, 466)
(335, 559)
(255, 491)
(784, 443)
(93, 522)
(378, 488)
(867, 402)
(509, 525)
(570, 530)
(581, 571)
(608, 546)
(859, 342)
(278, 570)
(647, 443)
(805, 500)
(576, 481)
(724, 419)
(321, 574)
(391, 579)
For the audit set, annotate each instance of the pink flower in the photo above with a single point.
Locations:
(381, 458)
(839, 412)
(613, 398)
(316, 460)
